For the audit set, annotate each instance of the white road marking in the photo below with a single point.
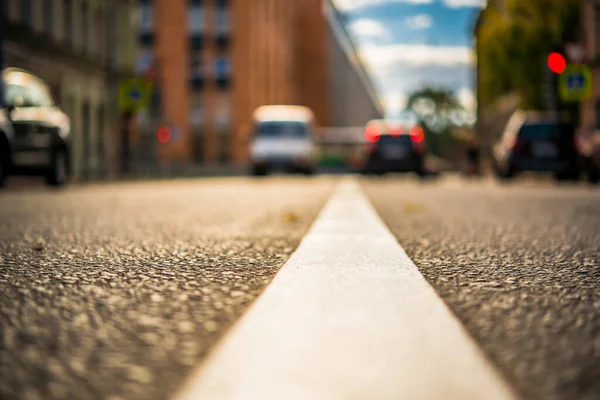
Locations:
(349, 316)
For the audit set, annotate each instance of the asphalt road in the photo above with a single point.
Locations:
(117, 291)
(520, 267)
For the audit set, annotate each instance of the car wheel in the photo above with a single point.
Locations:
(57, 173)
(567, 176)
(258, 170)
(593, 175)
(420, 171)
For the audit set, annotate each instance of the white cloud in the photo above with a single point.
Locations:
(351, 5)
(416, 55)
(420, 21)
(368, 28)
(465, 3)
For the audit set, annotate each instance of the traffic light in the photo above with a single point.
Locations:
(557, 62)
(164, 135)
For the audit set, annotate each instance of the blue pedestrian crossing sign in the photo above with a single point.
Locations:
(135, 94)
(575, 83)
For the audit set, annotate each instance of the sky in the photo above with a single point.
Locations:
(408, 44)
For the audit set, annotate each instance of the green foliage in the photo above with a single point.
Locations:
(439, 112)
(513, 46)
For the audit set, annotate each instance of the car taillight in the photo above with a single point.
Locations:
(372, 134)
(417, 135)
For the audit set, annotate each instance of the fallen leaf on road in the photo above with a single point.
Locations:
(412, 207)
(291, 217)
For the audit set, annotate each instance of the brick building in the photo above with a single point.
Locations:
(218, 60)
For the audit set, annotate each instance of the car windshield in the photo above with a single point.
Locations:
(544, 131)
(280, 129)
(17, 95)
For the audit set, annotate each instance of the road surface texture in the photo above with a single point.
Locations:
(520, 267)
(117, 291)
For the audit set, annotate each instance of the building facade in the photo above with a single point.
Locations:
(590, 109)
(351, 94)
(81, 48)
(185, 48)
(215, 61)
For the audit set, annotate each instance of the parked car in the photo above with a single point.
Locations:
(282, 140)
(589, 148)
(395, 146)
(34, 131)
(537, 141)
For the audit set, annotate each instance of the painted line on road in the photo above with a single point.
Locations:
(348, 316)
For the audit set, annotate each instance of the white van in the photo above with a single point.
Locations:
(282, 140)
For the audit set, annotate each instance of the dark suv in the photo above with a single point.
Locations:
(34, 132)
(395, 146)
(537, 142)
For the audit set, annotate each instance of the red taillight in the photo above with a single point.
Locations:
(372, 134)
(416, 134)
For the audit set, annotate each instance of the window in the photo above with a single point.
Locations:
(222, 66)
(144, 62)
(146, 18)
(84, 28)
(196, 72)
(111, 29)
(222, 70)
(222, 18)
(99, 36)
(100, 140)
(49, 17)
(26, 12)
(68, 20)
(196, 19)
(34, 95)
(282, 129)
(18, 96)
(197, 111)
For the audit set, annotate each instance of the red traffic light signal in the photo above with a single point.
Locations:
(164, 135)
(557, 63)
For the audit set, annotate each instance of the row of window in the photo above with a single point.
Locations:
(196, 19)
(195, 41)
(75, 19)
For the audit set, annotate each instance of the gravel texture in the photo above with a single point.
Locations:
(116, 291)
(519, 265)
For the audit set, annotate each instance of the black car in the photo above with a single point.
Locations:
(394, 146)
(537, 142)
(34, 132)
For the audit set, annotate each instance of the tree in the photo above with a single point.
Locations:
(439, 112)
(514, 43)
